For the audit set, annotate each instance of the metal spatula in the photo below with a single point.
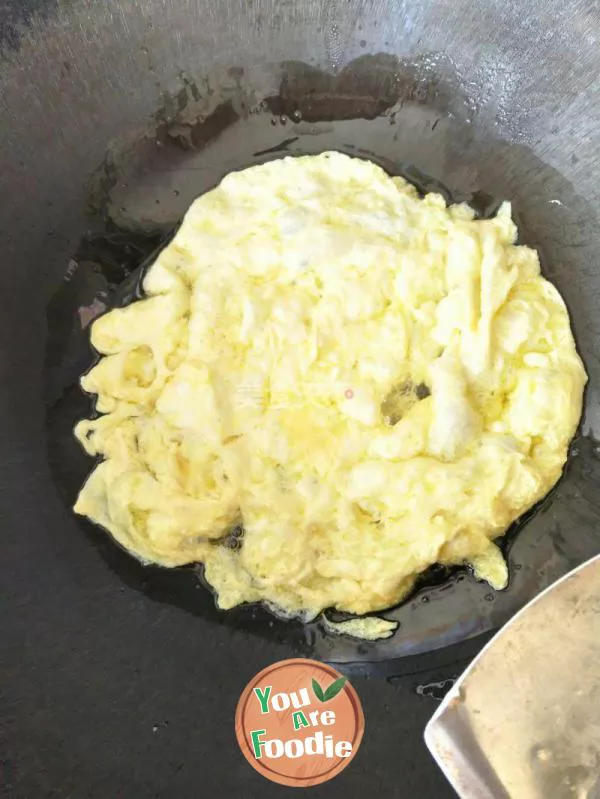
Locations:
(523, 722)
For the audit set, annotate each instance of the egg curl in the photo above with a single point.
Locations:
(366, 381)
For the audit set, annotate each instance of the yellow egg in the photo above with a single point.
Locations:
(369, 382)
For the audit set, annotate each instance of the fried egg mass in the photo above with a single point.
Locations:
(367, 381)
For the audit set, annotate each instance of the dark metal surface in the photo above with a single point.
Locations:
(109, 691)
(139, 192)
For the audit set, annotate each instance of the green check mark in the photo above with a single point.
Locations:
(330, 692)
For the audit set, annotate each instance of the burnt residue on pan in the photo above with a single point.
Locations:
(412, 124)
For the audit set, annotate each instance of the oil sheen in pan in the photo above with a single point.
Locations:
(450, 611)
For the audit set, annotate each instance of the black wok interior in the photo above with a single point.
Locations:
(122, 679)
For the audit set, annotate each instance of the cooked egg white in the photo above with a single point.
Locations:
(368, 381)
(367, 628)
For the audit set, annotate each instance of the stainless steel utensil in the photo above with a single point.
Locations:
(523, 722)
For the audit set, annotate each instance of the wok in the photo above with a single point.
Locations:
(122, 680)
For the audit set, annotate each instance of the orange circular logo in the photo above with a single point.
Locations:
(299, 722)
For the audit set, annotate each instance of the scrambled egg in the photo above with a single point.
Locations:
(367, 628)
(367, 381)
